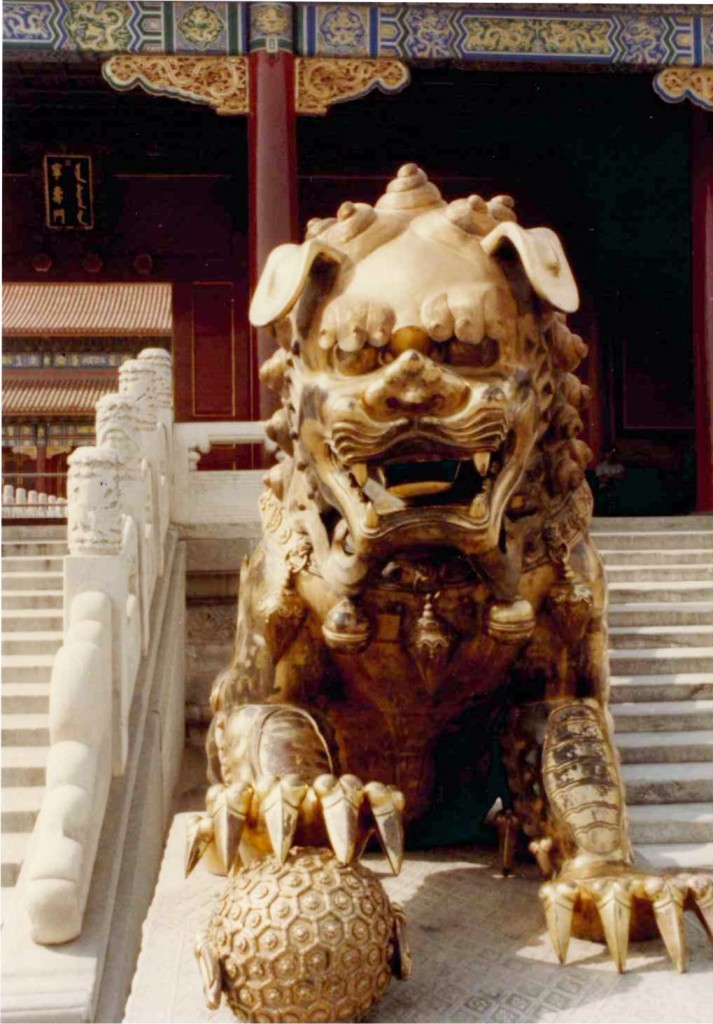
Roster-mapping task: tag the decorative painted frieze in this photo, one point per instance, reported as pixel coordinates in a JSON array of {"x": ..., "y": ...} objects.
[
  {"x": 271, "y": 27},
  {"x": 129, "y": 26},
  {"x": 598, "y": 34},
  {"x": 463, "y": 32}
]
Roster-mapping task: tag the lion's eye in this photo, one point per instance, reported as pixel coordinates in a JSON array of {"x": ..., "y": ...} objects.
[{"x": 353, "y": 363}]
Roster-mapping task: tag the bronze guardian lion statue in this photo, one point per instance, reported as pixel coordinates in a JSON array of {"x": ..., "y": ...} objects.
[{"x": 426, "y": 564}]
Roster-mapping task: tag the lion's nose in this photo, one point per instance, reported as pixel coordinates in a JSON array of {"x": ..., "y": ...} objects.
[{"x": 414, "y": 385}]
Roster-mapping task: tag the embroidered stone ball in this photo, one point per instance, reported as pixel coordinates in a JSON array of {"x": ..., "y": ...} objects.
[{"x": 310, "y": 940}]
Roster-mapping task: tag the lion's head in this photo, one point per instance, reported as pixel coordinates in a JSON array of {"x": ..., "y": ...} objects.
[{"x": 424, "y": 370}]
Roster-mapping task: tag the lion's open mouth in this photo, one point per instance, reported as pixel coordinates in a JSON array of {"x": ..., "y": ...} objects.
[{"x": 428, "y": 481}]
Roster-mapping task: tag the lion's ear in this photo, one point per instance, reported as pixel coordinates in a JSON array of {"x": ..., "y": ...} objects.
[
  {"x": 543, "y": 261},
  {"x": 284, "y": 277}
]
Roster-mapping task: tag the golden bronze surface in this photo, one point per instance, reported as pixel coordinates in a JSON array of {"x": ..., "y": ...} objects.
[{"x": 426, "y": 567}]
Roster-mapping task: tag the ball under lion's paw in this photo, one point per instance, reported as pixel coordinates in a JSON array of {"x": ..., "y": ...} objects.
[{"x": 310, "y": 940}]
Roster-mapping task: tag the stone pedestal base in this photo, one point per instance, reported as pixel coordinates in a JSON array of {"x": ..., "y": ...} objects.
[{"x": 480, "y": 952}]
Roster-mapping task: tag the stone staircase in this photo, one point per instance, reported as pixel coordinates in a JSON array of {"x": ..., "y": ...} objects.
[
  {"x": 31, "y": 636},
  {"x": 660, "y": 583}
]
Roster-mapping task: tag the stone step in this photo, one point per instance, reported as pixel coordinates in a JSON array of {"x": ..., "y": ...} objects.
[
  {"x": 20, "y": 807},
  {"x": 31, "y": 563},
  {"x": 41, "y": 546},
  {"x": 661, "y": 540},
  {"x": 36, "y": 531},
  {"x": 31, "y": 598},
  {"x": 668, "y": 783},
  {"x": 622, "y": 637},
  {"x": 32, "y": 642},
  {"x": 658, "y": 573},
  {"x": 14, "y": 847},
  {"x": 661, "y": 613},
  {"x": 655, "y": 556},
  {"x": 658, "y": 747},
  {"x": 14, "y": 581},
  {"x": 642, "y": 661},
  {"x": 663, "y": 716},
  {"x": 35, "y": 620},
  {"x": 681, "y": 686},
  {"x": 671, "y": 823},
  {"x": 27, "y": 668},
  {"x": 629, "y": 592},
  {"x": 24, "y": 766},
  {"x": 604, "y": 524},
  {"x": 26, "y": 730},
  {"x": 684, "y": 856},
  {"x": 25, "y": 698}
]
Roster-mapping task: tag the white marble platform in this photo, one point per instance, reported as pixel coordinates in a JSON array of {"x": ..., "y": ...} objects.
[{"x": 479, "y": 947}]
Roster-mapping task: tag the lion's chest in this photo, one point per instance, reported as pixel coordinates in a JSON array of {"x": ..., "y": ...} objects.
[{"x": 428, "y": 654}]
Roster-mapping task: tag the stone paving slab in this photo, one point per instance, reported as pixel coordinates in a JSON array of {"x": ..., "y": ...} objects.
[{"x": 479, "y": 946}]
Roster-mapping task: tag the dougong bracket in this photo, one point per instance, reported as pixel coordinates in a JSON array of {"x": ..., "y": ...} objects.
[
  {"x": 677, "y": 84},
  {"x": 220, "y": 82},
  {"x": 322, "y": 81}
]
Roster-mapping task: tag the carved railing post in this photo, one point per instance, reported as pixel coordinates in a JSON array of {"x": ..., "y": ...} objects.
[
  {"x": 137, "y": 379},
  {"x": 162, "y": 364},
  {"x": 142, "y": 380},
  {"x": 95, "y": 507},
  {"x": 117, "y": 425},
  {"x": 160, "y": 360}
]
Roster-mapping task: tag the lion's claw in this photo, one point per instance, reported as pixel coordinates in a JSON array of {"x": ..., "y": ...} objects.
[
  {"x": 229, "y": 811},
  {"x": 387, "y": 805},
  {"x": 558, "y": 899},
  {"x": 614, "y": 902},
  {"x": 281, "y": 810},
  {"x": 199, "y": 833},
  {"x": 667, "y": 898},
  {"x": 701, "y": 888},
  {"x": 341, "y": 802},
  {"x": 276, "y": 812},
  {"x": 619, "y": 899}
]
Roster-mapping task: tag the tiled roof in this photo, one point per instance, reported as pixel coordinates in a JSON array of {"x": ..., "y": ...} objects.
[
  {"x": 87, "y": 309},
  {"x": 68, "y": 394}
]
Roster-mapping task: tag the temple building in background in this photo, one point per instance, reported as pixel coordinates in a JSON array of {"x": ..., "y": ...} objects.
[
  {"x": 62, "y": 346},
  {"x": 168, "y": 179}
]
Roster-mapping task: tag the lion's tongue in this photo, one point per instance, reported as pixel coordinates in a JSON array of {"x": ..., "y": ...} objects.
[{"x": 420, "y": 488}]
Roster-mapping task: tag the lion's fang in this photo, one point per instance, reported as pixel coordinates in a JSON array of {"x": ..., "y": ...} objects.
[
  {"x": 371, "y": 517},
  {"x": 361, "y": 473},
  {"x": 481, "y": 461}
]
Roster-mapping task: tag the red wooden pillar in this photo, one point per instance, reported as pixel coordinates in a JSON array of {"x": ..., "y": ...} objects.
[
  {"x": 273, "y": 167},
  {"x": 41, "y": 468},
  {"x": 702, "y": 263}
]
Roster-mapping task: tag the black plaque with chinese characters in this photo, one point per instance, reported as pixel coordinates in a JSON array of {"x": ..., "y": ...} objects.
[{"x": 69, "y": 201}]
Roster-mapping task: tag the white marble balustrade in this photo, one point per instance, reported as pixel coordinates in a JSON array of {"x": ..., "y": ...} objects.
[
  {"x": 19, "y": 503},
  {"x": 118, "y": 515}
]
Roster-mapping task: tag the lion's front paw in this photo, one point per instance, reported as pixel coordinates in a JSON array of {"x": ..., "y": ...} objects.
[
  {"x": 278, "y": 813},
  {"x": 626, "y": 903}
]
